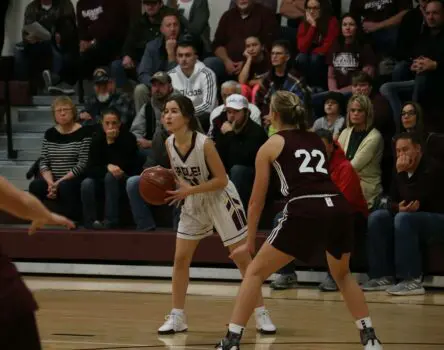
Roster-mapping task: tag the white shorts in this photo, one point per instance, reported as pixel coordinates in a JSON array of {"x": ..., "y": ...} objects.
[{"x": 222, "y": 211}]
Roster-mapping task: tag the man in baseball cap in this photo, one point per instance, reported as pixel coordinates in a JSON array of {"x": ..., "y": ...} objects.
[{"x": 236, "y": 102}]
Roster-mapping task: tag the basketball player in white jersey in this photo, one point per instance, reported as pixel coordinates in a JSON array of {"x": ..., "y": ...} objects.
[{"x": 209, "y": 200}]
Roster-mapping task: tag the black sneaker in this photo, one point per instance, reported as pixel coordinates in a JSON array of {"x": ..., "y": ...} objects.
[
  {"x": 230, "y": 342},
  {"x": 369, "y": 339}
]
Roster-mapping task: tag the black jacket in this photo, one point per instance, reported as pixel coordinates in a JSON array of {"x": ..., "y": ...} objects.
[
  {"x": 123, "y": 153},
  {"x": 241, "y": 148},
  {"x": 410, "y": 30}
]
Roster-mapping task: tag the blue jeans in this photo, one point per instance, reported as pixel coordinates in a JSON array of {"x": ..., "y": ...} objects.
[
  {"x": 402, "y": 71},
  {"x": 25, "y": 54},
  {"x": 394, "y": 242},
  {"x": 111, "y": 188},
  {"x": 120, "y": 73},
  {"x": 243, "y": 178},
  {"x": 314, "y": 68}
]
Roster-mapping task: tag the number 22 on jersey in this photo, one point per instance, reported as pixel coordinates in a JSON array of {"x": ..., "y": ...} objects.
[{"x": 316, "y": 157}]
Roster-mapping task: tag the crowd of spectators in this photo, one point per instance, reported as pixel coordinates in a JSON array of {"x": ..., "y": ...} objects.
[{"x": 370, "y": 77}]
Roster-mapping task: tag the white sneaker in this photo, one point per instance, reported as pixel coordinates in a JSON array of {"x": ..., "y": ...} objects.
[
  {"x": 174, "y": 323},
  {"x": 263, "y": 322}
]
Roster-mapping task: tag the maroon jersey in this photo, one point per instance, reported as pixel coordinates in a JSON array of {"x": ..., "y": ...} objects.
[
  {"x": 302, "y": 166},
  {"x": 15, "y": 298}
]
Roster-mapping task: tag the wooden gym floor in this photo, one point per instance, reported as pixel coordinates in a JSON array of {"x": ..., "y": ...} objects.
[{"x": 107, "y": 314}]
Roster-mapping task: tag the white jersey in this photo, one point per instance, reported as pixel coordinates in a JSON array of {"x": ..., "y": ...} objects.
[{"x": 202, "y": 212}]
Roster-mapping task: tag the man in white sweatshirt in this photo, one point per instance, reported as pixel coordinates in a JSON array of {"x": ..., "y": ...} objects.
[{"x": 194, "y": 80}]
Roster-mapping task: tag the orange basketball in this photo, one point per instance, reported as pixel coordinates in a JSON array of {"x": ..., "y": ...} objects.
[{"x": 154, "y": 182}]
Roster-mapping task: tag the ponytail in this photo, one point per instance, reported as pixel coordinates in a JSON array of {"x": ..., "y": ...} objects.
[{"x": 290, "y": 109}]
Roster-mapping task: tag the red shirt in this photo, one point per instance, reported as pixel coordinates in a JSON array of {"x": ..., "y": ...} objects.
[
  {"x": 347, "y": 180},
  {"x": 310, "y": 41}
]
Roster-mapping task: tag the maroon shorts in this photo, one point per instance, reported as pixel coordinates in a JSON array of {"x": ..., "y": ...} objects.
[
  {"x": 20, "y": 334},
  {"x": 313, "y": 224}
]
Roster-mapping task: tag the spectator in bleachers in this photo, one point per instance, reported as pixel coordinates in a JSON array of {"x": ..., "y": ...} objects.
[
  {"x": 414, "y": 215},
  {"x": 255, "y": 65},
  {"x": 347, "y": 180},
  {"x": 147, "y": 125},
  {"x": 63, "y": 160},
  {"x": 218, "y": 115},
  {"x": 380, "y": 20},
  {"x": 143, "y": 30},
  {"x": 316, "y": 35},
  {"x": 279, "y": 78},
  {"x": 103, "y": 25},
  {"x": 35, "y": 50},
  {"x": 294, "y": 11},
  {"x": 348, "y": 55},
  {"x": 113, "y": 157},
  {"x": 426, "y": 66},
  {"x": 159, "y": 56},
  {"x": 363, "y": 146},
  {"x": 238, "y": 140},
  {"x": 412, "y": 26},
  {"x": 272, "y": 4},
  {"x": 246, "y": 19},
  {"x": 333, "y": 121},
  {"x": 196, "y": 14},
  {"x": 106, "y": 97},
  {"x": 412, "y": 119},
  {"x": 194, "y": 80}
]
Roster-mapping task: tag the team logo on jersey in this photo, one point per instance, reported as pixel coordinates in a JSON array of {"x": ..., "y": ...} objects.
[{"x": 189, "y": 174}]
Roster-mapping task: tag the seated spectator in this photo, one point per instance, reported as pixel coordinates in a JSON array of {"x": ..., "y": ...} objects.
[
  {"x": 63, "y": 160},
  {"x": 347, "y": 180},
  {"x": 333, "y": 121},
  {"x": 147, "y": 126},
  {"x": 414, "y": 215},
  {"x": 237, "y": 24},
  {"x": 229, "y": 88},
  {"x": 50, "y": 15},
  {"x": 412, "y": 26},
  {"x": 195, "y": 81},
  {"x": 316, "y": 35},
  {"x": 145, "y": 28},
  {"x": 363, "y": 146},
  {"x": 380, "y": 20},
  {"x": 113, "y": 157},
  {"x": 272, "y": 4},
  {"x": 256, "y": 64},
  {"x": 103, "y": 25},
  {"x": 349, "y": 55},
  {"x": 412, "y": 119},
  {"x": 428, "y": 56},
  {"x": 106, "y": 97},
  {"x": 279, "y": 78},
  {"x": 237, "y": 140},
  {"x": 196, "y": 14},
  {"x": 159, "y": 56}
]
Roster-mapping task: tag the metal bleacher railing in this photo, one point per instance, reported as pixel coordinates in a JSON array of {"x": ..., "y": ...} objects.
[{"x": 6, "y": 69}]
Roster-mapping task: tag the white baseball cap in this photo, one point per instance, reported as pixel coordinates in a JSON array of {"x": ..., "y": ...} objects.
[{"x": 236, "y": 102}]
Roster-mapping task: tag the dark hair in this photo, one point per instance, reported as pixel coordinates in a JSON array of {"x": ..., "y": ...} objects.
[
  {"x": 290, "y": 108},
  {"x": 112, "y": 111},
  {"x": 359, "y": 36},
  {"x": 325, "y": 134},
  {"x": 412, "y": 136},
  {"x": 324, "y": 18},
  {"x": 362, "y": 77},
  {"x": 170, "y": 13},
  {"x": 282, "y": 43},
  {"x": 187, "y": 109},
  {"x": 419, "y": 127},
  {"x": 188, "y": 41}
]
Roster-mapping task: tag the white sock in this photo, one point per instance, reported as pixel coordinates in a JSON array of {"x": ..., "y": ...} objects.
[
  {"x": 234, "y": 328},
  {"x": 177, "y": 311},
  {"x": 365, "y": 322},
  {"x": 259, "y": 309}
]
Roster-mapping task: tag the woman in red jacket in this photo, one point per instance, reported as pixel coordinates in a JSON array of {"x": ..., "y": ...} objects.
[{"x": 316, "y": 34}]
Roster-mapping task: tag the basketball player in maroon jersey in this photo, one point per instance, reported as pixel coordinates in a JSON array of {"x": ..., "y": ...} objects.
[
  {"x": 18, "y": 328},
  {"x": 316, "y": 216}
]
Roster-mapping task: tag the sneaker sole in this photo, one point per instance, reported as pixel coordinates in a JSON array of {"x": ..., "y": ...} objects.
[
  {"x": 412, "y": 292},
  {"x": 171, "y": 331},
  {"x": 262, "y": 331},
  {"x": 47, "y": 79},
  {"x": 283, "y": 287}
]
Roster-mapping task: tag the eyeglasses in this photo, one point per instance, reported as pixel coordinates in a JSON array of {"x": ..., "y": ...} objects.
[
  {"x": 408, "y": 113},
  {"x": 63, "y": 109}
]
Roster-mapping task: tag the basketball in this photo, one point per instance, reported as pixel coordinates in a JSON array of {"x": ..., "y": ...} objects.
[{"x": 154, "y": 182}]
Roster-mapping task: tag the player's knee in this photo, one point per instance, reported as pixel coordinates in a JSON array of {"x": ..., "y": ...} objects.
[{"x": 182, "y": 261}]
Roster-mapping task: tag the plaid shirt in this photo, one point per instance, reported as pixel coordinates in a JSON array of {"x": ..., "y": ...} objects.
[{"x": 121, "y": 102}]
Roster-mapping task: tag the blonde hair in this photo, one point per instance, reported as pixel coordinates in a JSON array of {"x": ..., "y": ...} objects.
[
  {"x": 366, "y": 105},
  {"x": 64, "y": 101},
  {"x": 290, "y": 108}
]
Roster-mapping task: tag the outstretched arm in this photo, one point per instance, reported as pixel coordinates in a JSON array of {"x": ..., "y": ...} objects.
[{"x": 25, "y": 206}]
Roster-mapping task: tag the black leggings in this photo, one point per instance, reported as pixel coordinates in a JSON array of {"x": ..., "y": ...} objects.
[
  {"x": 20, "y": 334},
  {"x": 3, "y": 9}
]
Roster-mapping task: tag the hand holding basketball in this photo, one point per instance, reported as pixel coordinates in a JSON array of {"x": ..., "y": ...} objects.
[{"x": 181, "y": 193}]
